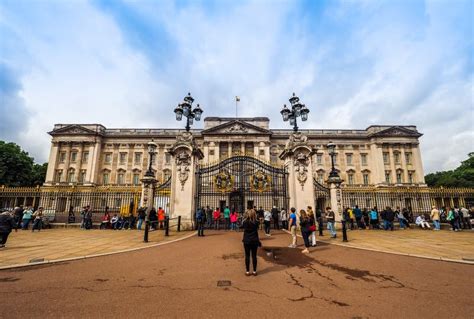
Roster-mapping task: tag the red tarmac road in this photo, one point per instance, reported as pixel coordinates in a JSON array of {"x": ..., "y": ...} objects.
[{"x": 179, "y": 280}]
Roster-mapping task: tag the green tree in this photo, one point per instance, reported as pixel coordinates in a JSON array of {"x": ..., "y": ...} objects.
[
  {"x": 463, "y": 176},
  {"x": 17, "y": 168}
]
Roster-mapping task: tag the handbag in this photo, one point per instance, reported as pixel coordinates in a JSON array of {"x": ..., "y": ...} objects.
[{"x": 312, "y": 228}]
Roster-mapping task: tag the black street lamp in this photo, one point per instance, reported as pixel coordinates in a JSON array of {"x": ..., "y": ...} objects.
[
  {"x": 332, "y": 152},
  {"x": 297, "y": 109},
  {"x": 149, "y": 181},
  {"x": 185, "y": 109}
]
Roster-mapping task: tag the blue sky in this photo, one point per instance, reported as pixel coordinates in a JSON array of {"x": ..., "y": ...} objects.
[{"x": 128, "y": 63}]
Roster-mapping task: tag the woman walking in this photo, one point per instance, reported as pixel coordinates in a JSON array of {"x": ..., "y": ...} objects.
[
  {"x": 312, "y": 226},
  {"x": 250, "y": 240},
  {"x": 27, "y": 215},
  {"x": 305, "y": 229}
]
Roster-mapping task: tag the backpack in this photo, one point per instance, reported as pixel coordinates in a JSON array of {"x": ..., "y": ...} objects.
[{"x": 199, "y": 215}]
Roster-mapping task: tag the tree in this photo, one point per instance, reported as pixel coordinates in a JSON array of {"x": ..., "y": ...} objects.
[
  {"x": 17, "y": 168},
  {"x": 463, "y": 176}
]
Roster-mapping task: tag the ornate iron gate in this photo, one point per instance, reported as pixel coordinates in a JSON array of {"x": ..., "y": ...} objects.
[
  {"x": 321, "y": 196},
  {"x": 241, "y": 182}
]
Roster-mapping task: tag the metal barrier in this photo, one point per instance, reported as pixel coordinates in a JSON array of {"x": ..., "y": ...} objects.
[{"x": 167, "y": 224}]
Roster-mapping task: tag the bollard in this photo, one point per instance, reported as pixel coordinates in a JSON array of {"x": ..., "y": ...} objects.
[
  {"x": 167, "y": 226},
  {"x": 179, "y": 223}
]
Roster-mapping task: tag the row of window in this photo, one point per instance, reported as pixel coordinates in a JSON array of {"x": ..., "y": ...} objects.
[
  {"x": 137, "y": 159},
  {"x": 73, "y": 157},
  {"x": 366, "y": 177},
  {"x": 399, "y": 177},
  {"x": 397, "y": 158},
  {"x": 71, "y": 177},
  {"x": 350, "y": 178}
]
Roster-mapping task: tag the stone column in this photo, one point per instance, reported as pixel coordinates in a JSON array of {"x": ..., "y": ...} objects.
[
  {"x": 66, "y": 163},
  {"x": 297, "y": 157},
  {"x": 93, "y": 164},
  {"x": 186, "y": 155},
  {"x": 418, "y": 164},
  {"x": 336, "y": 196},
  {"x": 52, "y": 163}
]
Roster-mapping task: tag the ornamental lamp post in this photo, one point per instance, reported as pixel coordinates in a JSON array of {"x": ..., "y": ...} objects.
[
  {"x": 336, "y": 179},
  {"x": 185, "y": 109},
  {"x": 297, "y": 109},
  {"x": 149, "y": 181}
]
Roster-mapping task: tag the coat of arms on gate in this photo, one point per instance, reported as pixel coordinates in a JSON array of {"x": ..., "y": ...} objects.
[
  {"x": 260, "y": 182},
  {"x": 224, "y": 182}
]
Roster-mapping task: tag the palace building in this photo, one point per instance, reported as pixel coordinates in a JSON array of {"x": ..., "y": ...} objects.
[{"x": 91, "y": 154}]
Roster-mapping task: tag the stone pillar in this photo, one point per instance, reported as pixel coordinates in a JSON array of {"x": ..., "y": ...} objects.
[
  {"x": 52, "y": 163},
  {"x": 297, "y": 157},
  {"x": 186, "y": 155},
  {"x": 336, "y": 196},
  {"x": 148, "y": 186}
]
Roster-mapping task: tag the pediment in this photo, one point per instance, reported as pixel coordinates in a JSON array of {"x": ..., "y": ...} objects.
[
  {"x": 73, "y": 129},
  {"x": 396, "y": 131},
  {"x": 236, "y": 127}
]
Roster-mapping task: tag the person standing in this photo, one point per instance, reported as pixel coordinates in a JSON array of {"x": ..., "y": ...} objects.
[
  {"x": 38, "y": 219},
  {"x": 365, "y": 217},
  {"x": 18, "y": 217},
  {"x": 434, "y": 215},
  {"x": 27, "y": 215},
  {"x": 153, "y": 219},
  {"x": 358, "y": 217},
  {"x": 216, "y": 216},
  {"x": 227, "y": 217},
  {"x": 200, "y": 219},
  {"x": 466, "y": 217},
  {"x": 451, "y": 219},
  {"x": 88, "y": 218},
  {"x": 234, "y": 216},
  {"x": 319, "y": 217},
  {"x": 141, "y": 217},
  {"x": 351, "y": 217},
  {"x": 389, "y": 217},
  {"x": 161, "y": 218},
  {"x": 260, "y": 216},
  {"x": 284, "y": 218},
  {"x": 312, "y": 226},
  {"x": 401, "y": 218},
  {"x": 209, "y": 216},
  {"x": 250, "y": 240},
  {"x": 292, "y": 227},
  {"x": 267, "y": 217},
  {"x": 374, "y": 219},
  {"x": 305, "y": 231},
  {"x": 330, "y": 219},
  {"x": 276, "y": 224},
  {"x": 6, "y": 225}
]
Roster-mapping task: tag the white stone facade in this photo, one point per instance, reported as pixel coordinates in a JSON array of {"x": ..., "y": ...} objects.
[{"x": 91, "y": 154}]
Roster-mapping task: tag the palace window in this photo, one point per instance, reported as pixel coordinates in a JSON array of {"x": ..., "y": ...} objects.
[
  {"x": 82, "y": 176},
  {"x": 350, "y": 178},
  {"x": 211, "y": 152},
  {"x": 397, "y": 157},
  {"x": 123, "y": 158},
  {"x": 70, "y": 175},
  {"x": 386, "y": 158},
  {"x": 85, "y": 157},
  {"x": 366, "y": 178},
  {"x": 363, "y": 159},
  {"x": 223, "y": 150},
  {"x": 136, "y": 179},
  {"x": 121, "y": 178},
  {"x": 166, "y": 175},
  {"x": 167, "y": 159},
  {"x": 410, "y": 177},
  {"x": 58, "y": 175},
  {"x": 73, "y": 157},
  {"x": 319, "y": 159},
  {"x": 105, "y": 178},
  {"x": 349, "y": 159},
  {"x": 261, "y": 152},
  {"x": 108, "y": 158},
  {"x": 249, "y": 148},
  {"x": 399, "y": 177},
  {"x": 387, "y": 177},
  {"x": 62, "y": 157},
  {"x": 138, "y": 158},
  {"x": 320, "y": 177},
  {"x": 408, "y": 158}
]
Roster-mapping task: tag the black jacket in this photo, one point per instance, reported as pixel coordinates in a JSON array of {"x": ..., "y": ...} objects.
[
  {"x": 250, "y": 232},
  {"x": 389, "y": 215},
  {"x": 6, "y": 223},
  {"x": 304, "y": 224},
  {"x": 275, "y": 213}
]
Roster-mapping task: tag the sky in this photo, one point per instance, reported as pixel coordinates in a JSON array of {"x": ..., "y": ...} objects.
[{"x": 129, "y": 63}]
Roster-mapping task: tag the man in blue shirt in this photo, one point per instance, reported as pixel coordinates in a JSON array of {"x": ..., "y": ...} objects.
[{"x": 292, "y": 227}]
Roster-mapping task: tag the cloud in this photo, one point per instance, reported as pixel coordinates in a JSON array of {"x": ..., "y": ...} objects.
[{"x": 127, "y": 64}]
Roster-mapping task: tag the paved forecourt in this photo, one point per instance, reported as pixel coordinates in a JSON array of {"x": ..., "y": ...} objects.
[
  {"x": 443, "y": 245},
  {"x": 204, "y": 278},
  {"x": 24, "y": 247}
]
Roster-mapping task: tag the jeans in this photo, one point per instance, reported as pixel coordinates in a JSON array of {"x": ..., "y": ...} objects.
[
  {"x": 305, "y": 238},
  {"x": 4, "y": 237},
  {"x": 331, "y": 229},
  {"x": 26, "y": 223},
  {"x": 320, "y": 226},
  {"x": 387, "y": 225},
  {"x": 251, "y": 248},
  {"x": 267, "y": 227},
  {"x": 216, "y": 224},
  {"x": 140, "y": 222},
  {"x": 436, "y": 224},
  {"x": 37, "y": 224},
  {"x": 276, "y": 225},
  {"x": 233, "y": 226},
  {"x": 200, "y": 225}
]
